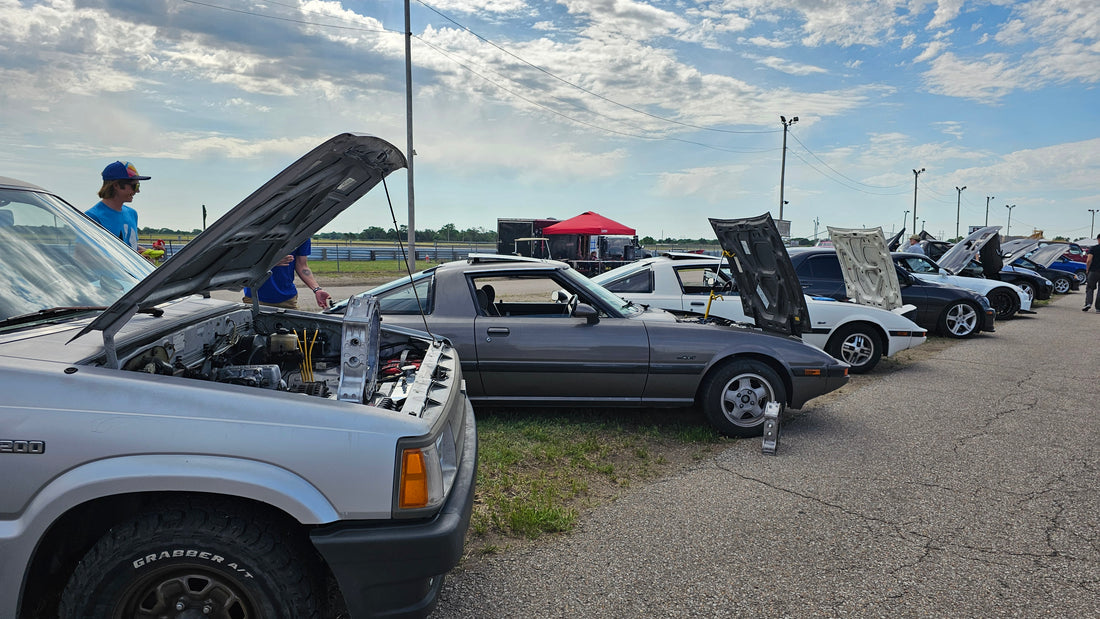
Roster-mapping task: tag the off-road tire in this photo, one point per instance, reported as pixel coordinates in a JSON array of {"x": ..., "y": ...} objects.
[
  {"x": 187, "y": 555},
  {"x": 858, "y": 345},
  {"x": 734, "y": 396}
]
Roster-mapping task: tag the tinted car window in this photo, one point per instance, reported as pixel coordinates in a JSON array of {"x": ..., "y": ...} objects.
[
  {"x": 824, "y": 267},
  {"x": 640, "y": 280},
  {"x": 918, "y": 264}
]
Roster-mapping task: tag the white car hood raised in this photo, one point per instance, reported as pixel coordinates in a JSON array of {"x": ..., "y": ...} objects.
[
  {"x": 869, "y": 274},
  {"x": 1043, "y": 256},
  {"x": 241, "y": 247},
  {"x": 964, "y": 251}
]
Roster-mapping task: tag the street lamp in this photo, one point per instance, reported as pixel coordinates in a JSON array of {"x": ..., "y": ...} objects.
[
  {"x": 958, "y": 207},
  {"x": 903, "y": 217},
  {"x": 1093, "y": 224},
  {"x": 987, "y": 199},
  {"x": 916, "y": 173},
  {"x": 783, "y": 165},
  {"x": 1008, "y": 228}
]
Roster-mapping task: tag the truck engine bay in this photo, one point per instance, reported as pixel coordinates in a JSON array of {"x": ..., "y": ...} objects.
[{"x": 351, "y": 360}]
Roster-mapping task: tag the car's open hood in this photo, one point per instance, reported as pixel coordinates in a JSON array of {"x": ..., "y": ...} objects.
[
  {"x": 240, "y": 247},
  {"x": 769, "y": 289},
  {"x": 1043, "y": 256},
  {"x": 984, "y": 240},
  {"x": 894, "y": 242},
  {"x": 869, "y": 274}
]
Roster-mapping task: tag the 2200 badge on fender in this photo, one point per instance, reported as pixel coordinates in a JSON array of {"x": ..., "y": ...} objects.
[{"x": 22, "y": 447}]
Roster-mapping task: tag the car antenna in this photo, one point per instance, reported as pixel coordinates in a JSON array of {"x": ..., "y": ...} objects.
[{"x": 405, "y": 259}]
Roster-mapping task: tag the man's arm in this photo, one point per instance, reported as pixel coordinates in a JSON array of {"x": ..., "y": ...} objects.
[{"x": 301, "y": 267}]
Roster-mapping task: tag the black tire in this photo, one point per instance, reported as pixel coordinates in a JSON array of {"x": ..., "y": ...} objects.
[
  {"x": 187, "y": 556},
  {"x": 734, "y": 396},
  {"x": 858, "y": 345},
  {"x": 1062, "y": 285},
  {"x": 1005, "y": 302},
  {"x": 960, "y": 319}
]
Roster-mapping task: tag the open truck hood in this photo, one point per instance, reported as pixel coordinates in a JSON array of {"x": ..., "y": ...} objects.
[
  {"x": 241, "y": 247},
  {"x": 869, "y": 274},
  {"x": 769, "y": 289},
  {"x": 985, "y": 241}
]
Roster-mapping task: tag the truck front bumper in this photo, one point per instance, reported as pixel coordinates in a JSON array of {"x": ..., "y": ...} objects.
[{"x": 396, "y": 570}]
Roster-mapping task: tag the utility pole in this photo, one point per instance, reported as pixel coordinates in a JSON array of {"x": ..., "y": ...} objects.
[
  {"x": 958, "y": 207},
  {"x": 410, "y": 153},
  {"x": 987, "y": 199},
  {"x": 817, "y": 220},
  {"x": 1092, "y": 226},
  {"x": 783, "y": 165},
  {"x": 1008, "y": 228},
  {"x": 916, "y": 173}
]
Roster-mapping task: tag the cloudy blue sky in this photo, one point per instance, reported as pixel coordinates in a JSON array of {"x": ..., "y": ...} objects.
[{"x": 657, "y": 114}]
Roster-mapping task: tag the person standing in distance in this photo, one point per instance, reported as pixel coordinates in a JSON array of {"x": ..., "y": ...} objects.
[
  {"x": 914, "y": 245},
  {"x": 120, "y": 185},
  {"x": 1092, "y": 275},
  {"x": 279, "y": 289}
]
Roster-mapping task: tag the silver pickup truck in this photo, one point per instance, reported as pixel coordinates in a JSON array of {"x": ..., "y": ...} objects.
[{"x": 166, "y": 454}]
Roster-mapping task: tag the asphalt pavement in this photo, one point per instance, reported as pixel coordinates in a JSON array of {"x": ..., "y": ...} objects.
[{"x": 961, "y": 485}]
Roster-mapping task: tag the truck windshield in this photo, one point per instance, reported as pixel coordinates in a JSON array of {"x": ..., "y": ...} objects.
[{"x": 57, "y": 257}]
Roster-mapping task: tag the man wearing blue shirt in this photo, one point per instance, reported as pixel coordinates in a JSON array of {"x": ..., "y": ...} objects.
[
  {"x": 120, "y": 185},
  {"x": 279, "y": 289}
]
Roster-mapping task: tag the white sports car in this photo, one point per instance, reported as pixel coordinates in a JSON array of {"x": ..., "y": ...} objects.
[
  {"x": 857, "y": 334},
  {"x": 1006, "y": 298}
]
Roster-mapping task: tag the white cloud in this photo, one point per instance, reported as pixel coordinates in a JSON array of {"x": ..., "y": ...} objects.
[{"x": 786, "y": 66}]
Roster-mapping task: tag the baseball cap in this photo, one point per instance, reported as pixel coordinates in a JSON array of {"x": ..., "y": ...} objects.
[{"x": 122, "y": 171}]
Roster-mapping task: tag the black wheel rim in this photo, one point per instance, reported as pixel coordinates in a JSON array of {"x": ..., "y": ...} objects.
[{"x": 185, "y": 592}]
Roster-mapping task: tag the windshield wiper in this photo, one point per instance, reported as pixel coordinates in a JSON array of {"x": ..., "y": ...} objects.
[{"x": 52, "y": 312}]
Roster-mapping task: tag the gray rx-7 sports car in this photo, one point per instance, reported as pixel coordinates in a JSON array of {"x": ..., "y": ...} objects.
[{"x": 536, "y": 332}]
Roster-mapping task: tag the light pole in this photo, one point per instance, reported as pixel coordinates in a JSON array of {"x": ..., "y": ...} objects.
[
  {"x": 1008, "y": 228},
  {"x": 916, "y": 173},
  {"x": 958, "y": 207},
  {"x": 783, "y": 165},
  {"x": 987, "y": 199},
  {"x": 903, "y": 218},
  {"x": 1093, "y": 224}
]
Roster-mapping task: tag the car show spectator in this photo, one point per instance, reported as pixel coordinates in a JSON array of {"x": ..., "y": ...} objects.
[
  {"x": 914, "y": 245},
  {"x": 279, "y": 289},
  {"x": 120, "y": 185},
  {"x": 1092, "y": 274}
]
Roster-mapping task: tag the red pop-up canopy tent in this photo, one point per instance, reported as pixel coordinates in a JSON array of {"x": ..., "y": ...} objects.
[{"x": 588, "y": 223}]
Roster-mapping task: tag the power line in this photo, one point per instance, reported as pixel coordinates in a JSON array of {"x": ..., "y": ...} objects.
[
  {"x": 582, "y": 88},
  {"x": 834, "y": 170}
]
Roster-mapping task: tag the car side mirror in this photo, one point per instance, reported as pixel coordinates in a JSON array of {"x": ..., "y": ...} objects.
[{"x": 586, "y": 311}]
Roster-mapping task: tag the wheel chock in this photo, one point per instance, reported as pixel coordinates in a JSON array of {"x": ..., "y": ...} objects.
[{"x": 771, "y": 428}]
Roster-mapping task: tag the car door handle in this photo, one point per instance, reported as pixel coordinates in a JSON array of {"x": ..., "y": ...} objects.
[
  {"x": 698, "y": 303},
  {"x": 498, "y": 331}
]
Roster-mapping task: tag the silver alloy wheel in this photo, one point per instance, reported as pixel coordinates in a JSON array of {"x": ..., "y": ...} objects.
[
  {"x": 1061, "y": 285},
  {"x": 1029, "y": 289},
  {"x": 744, "y": 398},
  {"x": 962, "y": 319},
  {"x": 856, "y": 349}
]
